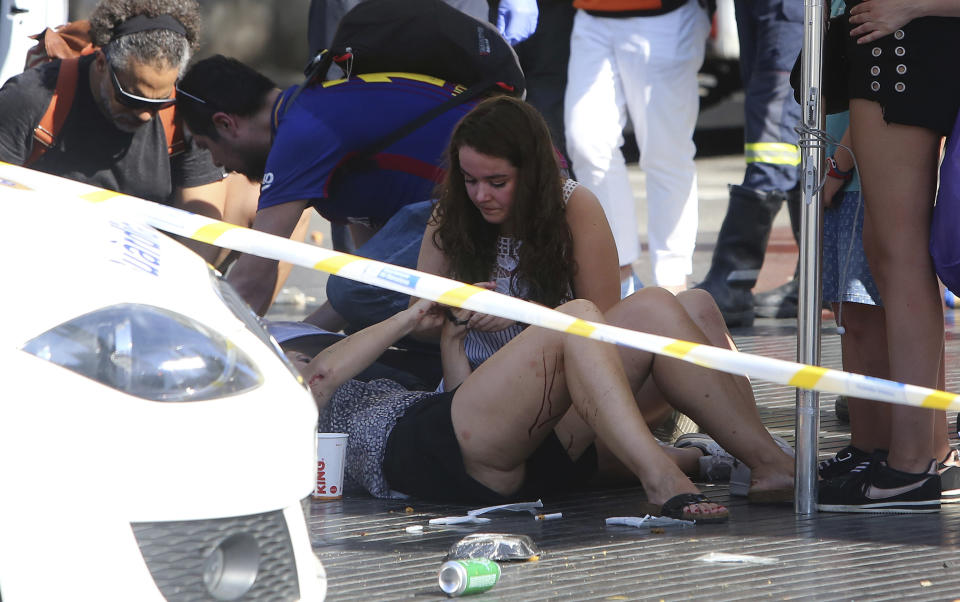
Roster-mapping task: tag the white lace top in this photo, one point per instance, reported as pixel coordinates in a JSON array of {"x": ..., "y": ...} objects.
[{"x": 481, "y": 345}]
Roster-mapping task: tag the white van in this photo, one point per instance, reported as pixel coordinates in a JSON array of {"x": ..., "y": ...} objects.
[
  {"x": 20, "y": 19},
  {"x": 155, "y": 443}
]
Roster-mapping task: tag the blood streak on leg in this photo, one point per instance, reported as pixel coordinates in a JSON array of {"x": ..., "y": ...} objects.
[{"x": 546, "y": 403}]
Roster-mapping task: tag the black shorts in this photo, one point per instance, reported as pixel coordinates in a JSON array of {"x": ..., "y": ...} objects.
[
  {"x": 912, "y": 73},
  {"x": 423, "y": 460}
]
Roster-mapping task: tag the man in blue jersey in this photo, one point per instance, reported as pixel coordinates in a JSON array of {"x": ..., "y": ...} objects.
[{"x": 299, "y": 150}]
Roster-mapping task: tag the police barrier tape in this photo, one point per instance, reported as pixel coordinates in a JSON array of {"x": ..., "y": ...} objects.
[{"x": 458, "y": 294}]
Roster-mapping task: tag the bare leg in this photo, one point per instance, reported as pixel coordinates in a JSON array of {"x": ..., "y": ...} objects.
[
  {"x": 864, "y": 351},
  {"x": 505, "y": 409},
  {"x": 863, "y": 348},
  {"x": 703, "y": 311},
  {"x": 898, "y": 166},
  {"x": 941, "y": 430},
  {"x": 723, "y": 404}
]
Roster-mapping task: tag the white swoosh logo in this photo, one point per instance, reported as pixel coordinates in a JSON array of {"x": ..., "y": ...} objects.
[{"x": 879, "y": 493}]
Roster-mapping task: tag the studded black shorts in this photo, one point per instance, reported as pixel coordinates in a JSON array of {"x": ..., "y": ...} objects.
[{"x": 914, "y": 73}]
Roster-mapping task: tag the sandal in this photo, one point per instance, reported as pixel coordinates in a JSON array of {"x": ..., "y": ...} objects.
[
  {"x": 676, "y": 506},
  {"x": 715, "y": 463}
]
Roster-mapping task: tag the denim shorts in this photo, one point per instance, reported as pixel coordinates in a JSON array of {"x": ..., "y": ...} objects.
[{"x": 397, "y": 243}]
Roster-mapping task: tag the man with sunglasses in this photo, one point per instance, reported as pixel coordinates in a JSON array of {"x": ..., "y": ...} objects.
[{"x": 113, "y": 136}]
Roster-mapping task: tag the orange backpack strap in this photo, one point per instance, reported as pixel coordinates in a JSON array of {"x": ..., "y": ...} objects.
[
  {"x": 51, "y": 123},
  {"x": 45, "y": 134},
  {"x": 173, "y": 128}
]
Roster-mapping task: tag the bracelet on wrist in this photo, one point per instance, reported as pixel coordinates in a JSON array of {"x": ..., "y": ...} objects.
[
  {"x": 836, "y": 172},
  {"x": 453, "y": 319}
]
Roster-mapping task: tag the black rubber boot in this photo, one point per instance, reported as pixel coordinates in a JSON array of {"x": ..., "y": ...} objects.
[
  {"x": 739, "y": 253},
  {"x": 781, "y": 302}
]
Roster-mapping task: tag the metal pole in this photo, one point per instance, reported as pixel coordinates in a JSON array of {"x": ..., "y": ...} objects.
[{"x": 808, "y": 314}]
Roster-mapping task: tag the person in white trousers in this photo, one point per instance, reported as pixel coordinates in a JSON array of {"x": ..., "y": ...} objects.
[{"x": 626, "y": 62}]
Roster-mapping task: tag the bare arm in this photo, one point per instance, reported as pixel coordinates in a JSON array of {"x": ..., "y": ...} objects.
[
  {"x": 432, "y": 261},
  {"x": 874, "y": 19},
  {"x": 208, "y": 200},
  {"x": 844, "y": 163},
  {"x": 342, "y": 361},
  {"x": 254, "y": 277},
  {"x": 598, "y": 269},
  {"x": 453, "y": 357}
]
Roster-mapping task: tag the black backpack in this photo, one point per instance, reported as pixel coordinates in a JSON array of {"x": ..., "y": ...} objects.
[
  {"x": 422, "y": 36},
  {"x": 428, "y": 37}
]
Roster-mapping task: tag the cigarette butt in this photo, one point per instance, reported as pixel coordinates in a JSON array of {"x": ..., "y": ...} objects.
[
  {"x": 317, "y": 237},
  {"x": 414, "y": 529},
  {"x": 552, "y": 516}
]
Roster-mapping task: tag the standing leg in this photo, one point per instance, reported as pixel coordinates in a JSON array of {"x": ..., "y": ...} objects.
[
  {"x": 771, "y": 33},
  {"x": 594, "y": 117},
  {"x": 658, "y": 60},
  {"x": 898, "y": 166},
  {"x": 864, "y": 351}
]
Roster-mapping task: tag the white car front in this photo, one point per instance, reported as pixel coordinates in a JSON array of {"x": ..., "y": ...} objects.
[{"x": 153, "y": 442}]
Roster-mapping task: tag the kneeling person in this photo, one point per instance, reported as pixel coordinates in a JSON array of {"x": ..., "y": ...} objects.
[{"x": 299, "y": 149}]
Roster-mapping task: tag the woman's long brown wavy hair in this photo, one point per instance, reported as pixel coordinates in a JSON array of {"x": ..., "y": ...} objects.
[{"x": 510, "y": 129}]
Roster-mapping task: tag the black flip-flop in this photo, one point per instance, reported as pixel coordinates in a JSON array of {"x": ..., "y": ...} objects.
[{"x": 673, "y": 508}]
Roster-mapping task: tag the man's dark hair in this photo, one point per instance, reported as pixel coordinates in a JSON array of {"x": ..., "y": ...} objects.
[{"x": 218, "y": 84}]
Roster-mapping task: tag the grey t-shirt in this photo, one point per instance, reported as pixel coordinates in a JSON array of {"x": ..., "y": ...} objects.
[{"x": 90, "y": 148}]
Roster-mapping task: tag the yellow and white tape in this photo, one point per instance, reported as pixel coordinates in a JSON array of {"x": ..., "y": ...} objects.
[{"x": 458, "y": 294}]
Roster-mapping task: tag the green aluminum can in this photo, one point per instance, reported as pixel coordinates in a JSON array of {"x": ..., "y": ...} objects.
[{"x": 465, "y": 577}]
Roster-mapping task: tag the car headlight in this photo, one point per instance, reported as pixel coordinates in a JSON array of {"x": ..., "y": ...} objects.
[
  {"x": 232, "y": 299},
  {"x": 150, "y": 353}
]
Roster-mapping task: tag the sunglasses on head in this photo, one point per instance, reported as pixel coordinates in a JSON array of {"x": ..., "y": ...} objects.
[{"x": 132, "y": 101}]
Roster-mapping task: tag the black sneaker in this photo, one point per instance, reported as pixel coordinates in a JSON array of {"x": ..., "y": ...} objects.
[
  {"x": 949, "y": 470},
  {"x": 842, "y": 463},
  {"x": 876, "y": 488}
]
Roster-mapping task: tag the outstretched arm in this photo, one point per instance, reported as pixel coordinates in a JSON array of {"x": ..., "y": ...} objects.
[
  {"x": 208, "y": 200},
  {"x": 256, "y": 277},
  {"x": 339, "y": 363}
]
